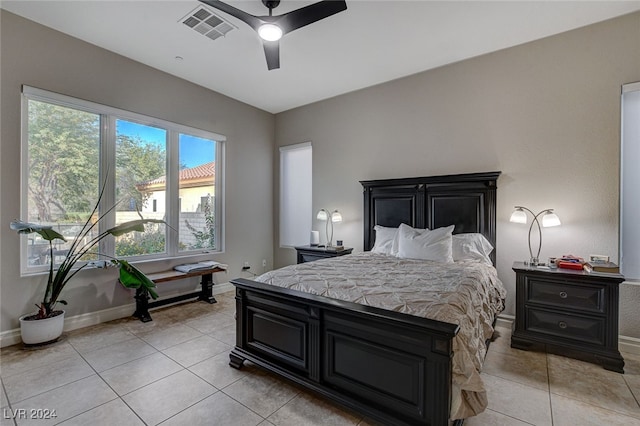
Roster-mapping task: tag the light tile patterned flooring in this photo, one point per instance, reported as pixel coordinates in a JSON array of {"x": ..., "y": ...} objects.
[{"x": 174, "y": 371}]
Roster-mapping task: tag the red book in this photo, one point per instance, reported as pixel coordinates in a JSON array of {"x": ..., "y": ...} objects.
[{"x": 569, "y": 265}]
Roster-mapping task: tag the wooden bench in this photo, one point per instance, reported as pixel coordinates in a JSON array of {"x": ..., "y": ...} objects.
[{"x": 206, "y": 292}]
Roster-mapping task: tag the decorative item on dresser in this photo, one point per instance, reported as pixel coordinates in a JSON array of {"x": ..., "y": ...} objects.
[
  {"x": 332, "y": 346},
  {"x": 311, "y": 253},
  {"x": 314, "y": 241},
  {"x": 519, "y": 215},
  {"x": 568, "y": 312}
]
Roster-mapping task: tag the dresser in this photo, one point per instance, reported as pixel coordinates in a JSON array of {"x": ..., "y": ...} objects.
[
  {"x": 311, "y": 253},
  {"x": 568, "y": 312}
]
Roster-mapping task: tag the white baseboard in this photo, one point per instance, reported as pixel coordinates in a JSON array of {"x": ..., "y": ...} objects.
[
  {"x": 12, "y": 337},
  {"x": 505, "y": 321},
  {"x": 629, "y": 344}
]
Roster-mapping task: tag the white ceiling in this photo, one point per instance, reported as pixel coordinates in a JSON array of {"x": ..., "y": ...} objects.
[{"x": 369, "y": 43}]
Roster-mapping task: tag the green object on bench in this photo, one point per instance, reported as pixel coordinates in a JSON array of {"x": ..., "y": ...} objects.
[{"x": 132, "y": 277}]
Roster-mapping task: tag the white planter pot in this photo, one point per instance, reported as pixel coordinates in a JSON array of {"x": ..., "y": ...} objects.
[{"x": 42, "y": 330}]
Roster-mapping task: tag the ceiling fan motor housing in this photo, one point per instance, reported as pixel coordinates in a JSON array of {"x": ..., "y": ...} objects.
[{"x": 271, "y": 4}]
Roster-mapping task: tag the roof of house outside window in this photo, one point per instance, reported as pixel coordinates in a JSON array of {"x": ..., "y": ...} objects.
[{"x": 203, "y": 175}]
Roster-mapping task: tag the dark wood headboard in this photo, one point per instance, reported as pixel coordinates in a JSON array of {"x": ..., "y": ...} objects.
[{"x": 467, "y": 201}]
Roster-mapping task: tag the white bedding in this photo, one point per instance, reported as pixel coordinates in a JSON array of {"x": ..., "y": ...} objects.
[{"x": 468, "y": 294}]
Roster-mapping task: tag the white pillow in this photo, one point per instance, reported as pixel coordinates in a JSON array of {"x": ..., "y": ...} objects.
[
  {"x": 386, "y": 240},
  {"x": 471, "y": 246},
  {"x": 425, "y": 244}
]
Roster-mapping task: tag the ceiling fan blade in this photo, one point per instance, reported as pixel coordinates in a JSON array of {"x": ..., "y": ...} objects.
[
  {"x": 309, "y": 14},
  {"x": 253, "y": 21},
  {"x": 272, "y": 53}
]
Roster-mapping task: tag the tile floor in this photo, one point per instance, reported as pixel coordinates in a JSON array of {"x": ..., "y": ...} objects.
[{"x": 174, "y": 371}]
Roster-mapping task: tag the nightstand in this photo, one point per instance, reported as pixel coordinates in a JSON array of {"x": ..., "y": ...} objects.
[
  {"x": 311, "y": 253},
  {"x": 568, "y": 312}
]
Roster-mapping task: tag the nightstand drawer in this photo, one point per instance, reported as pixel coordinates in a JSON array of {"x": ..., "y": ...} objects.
[
  {"x": 567, "y": 326},
  {"x": 311, "y": 257},
  {"x": 568, "y": 296}
]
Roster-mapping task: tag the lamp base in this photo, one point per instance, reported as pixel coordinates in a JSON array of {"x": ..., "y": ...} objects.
[{"x": 534, "y": 262}]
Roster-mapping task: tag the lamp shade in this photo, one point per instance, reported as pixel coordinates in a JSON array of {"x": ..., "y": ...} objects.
[
  {"x": 336, "y": 216},
  {"x": 518, "y": 216},
  {"x": 550, "y": 219},
  {"x": 322, "y": 215}
]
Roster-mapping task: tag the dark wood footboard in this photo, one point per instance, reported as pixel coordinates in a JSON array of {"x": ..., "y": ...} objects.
[{"x": 389, "y": 366}]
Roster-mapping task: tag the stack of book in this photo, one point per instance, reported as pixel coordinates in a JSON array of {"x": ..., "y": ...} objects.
[{"x": 606, "y": 267}]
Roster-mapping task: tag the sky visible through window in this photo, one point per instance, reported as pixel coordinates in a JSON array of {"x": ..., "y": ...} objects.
[{"x": 194, "y": 151}]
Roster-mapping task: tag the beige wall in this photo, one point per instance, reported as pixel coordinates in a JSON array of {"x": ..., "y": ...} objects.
[
  {"x": 546, "y": 114},
  {"x": 43, "y": 58}
]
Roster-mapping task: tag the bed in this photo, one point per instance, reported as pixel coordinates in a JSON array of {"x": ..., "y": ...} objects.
[{"x": 388, "y": 364}]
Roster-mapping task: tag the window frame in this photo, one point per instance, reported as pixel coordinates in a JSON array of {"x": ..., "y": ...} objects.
[{"x": 108, "y": 116}]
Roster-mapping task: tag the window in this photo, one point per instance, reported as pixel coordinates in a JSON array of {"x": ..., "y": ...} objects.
[
  {"x": 141, "y": 156},
  {"x": 630, "y": 182},
  {"x": 162, "y": 170},
  {"x": 198, "y": 203},
  {"x": 295, "y": 194}
]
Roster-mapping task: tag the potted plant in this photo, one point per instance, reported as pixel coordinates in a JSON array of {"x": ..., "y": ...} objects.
[{"x": 47, "y": 323}]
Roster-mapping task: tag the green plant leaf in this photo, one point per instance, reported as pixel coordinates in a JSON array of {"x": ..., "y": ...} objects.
[
  {"x": 133, "y": 225},
  {"x": 29, "y": 228},
  {"x": 132, "y": 277}
]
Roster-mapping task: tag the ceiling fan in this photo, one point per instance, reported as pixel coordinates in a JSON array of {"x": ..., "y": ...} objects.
[{"x": 272, "y": 28}]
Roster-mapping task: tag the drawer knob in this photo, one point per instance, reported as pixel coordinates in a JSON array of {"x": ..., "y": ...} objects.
[
  {"x": 562, "y": 325},
  {"x": 563, "y": 294}
]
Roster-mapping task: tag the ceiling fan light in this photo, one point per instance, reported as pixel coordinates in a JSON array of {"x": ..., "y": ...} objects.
[{"x": 270, "y": 32}]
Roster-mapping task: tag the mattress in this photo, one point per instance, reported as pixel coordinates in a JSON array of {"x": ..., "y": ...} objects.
[{"x": 468, "y": 294}]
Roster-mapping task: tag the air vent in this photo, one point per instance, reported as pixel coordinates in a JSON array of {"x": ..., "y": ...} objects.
[{"x": 207, "y": 23}]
